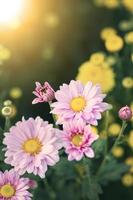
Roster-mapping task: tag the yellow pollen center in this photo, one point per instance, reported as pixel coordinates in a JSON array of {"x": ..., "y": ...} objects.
[
  {"x": 78, "y": 104},
  {"x": 77, "y": 140},
  {"x": 7, "y": 191},
  {"x": 32, "y": 146}
]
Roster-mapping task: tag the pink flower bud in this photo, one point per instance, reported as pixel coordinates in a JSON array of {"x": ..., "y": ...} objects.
[
  {"x": 125, "y": 113},
  {"x": 32, "y": 184},
  {"x": 43, "y": 93}
]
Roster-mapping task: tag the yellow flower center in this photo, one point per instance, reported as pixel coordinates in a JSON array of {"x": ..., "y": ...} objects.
[
  {"x": 7, "y": 191},
  {"x": 78, "y": 104},
  {"x": 77, "y": 140},
  {"x": 32, "y": 146}
]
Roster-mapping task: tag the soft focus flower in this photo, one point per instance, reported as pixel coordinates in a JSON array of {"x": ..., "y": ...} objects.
[
  {"x": 9, "y": 110},
  {"x": 114, "y": 43},
  {"x": 32, "y": 184},
  {"x": 94, "y": 129},
  {"x": 12, "y": 187},
  {"x": 127, "y": 82},
  {"x": 127, "y": 180},
  {"x": 129, "y": 161},
  {"x": 114, "y": 129},
  {"x": 125, "y": 113},
  {"x": 77, "y": 139},
  {"x": 107, "y": 32},
  {"x": 6, "y": 111},
  {"x": 44, "y": 93},
  {"x": 5, "y": 53},
  {"x": 102, "y": 74},
  {"x": 130, "y": 139},
  {"x": 32, "y": 145},
  {"x": 118, "y": 151},
  {"x": 76, "y": 101},
  {"x": 51, "y": 20},
  {"x": 129, "y": 38},
  {"x": 131, "y": 170},
  {"x": 128, "y": 4},
  {"x": 7, "y": 103},
  {"x": 15, "y": 93},
  {"x": 103, "y": 134},
  {"x": 97, "y": 58},
  {"x": 125, "y": 25},
  {"x": 111, "y": 4}
]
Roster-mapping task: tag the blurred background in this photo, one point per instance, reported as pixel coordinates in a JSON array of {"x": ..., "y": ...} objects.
[{"x": 48, "y": 40}]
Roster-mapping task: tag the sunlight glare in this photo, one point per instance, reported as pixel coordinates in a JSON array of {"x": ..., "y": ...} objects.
[{"x": 10, "y": 10}]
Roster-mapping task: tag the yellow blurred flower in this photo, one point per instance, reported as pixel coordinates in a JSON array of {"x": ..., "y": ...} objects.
[
  {"x": 101, "y": 74},
  {"x": 127, "y": 180},
  {"x": 16, "y": 93},
  {"x": 5, "y": 53},
  {"x": 128, "y": 4},
  {"x": 114, "y": 129},
  {"x": 107, "y": 32},
  {"x": 118, "y": 151},
  {"x": 130, "y": 139},
  {"x": 114, "y": 43},
  {"x": 111, "y": 3},
  {"x": 97, "y": 58},
  {"x": 131, "y": 169},
  {"x": 51, "y": 20},
  {"x": 103, "y": 134},
  {"x": 129, "y": 38},
  {"x": 94, "y": 129},
  {"x": 127, "y": 82},
  {"x": 129, "y": 161}
]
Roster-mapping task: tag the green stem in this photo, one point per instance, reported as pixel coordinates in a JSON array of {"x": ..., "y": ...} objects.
[
  {"x": 121, "y": 134},
  {"x": 124, "y": 125},
  {"x": 106, "y": 129},
  {"x": 7, "y": 124}
]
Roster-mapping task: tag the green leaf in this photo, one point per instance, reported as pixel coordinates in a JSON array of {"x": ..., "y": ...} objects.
[
  {"x": 2, "y": 153},
  {"x": 112, "y": 171},
  {"x": 98, "y": 147},
  {"x": 91, "y": 188}
]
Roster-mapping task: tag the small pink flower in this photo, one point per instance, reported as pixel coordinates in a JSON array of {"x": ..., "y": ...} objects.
[
  {"x": 32, "y": 184},
  {"x": 78, "y": 101},
  {"x": 77, "y": 139},
  {"x": 125, "y": 113},
  {"x": 12, "y": 187},
  {"x": 31, "y": 146},
  {"x": 43, "y": 93}
]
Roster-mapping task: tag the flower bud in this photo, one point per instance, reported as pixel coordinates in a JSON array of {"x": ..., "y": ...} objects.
[
  {"x": 125, "y": 113},
  {"x": 6, "y": 111},
  {"x": 32, "y": 184},
  {"x": 43, "y": 93},
  {"x": 7, "y": 103}
]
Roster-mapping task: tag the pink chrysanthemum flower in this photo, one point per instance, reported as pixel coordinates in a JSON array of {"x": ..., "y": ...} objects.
[
  {"x": 75, "y": 101},
  {"x": 31, "y": 146},
  {"x": 77, "y": 139},
  {"x": 12, "y": 187},
  {"x": 43, "y": 93}
]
